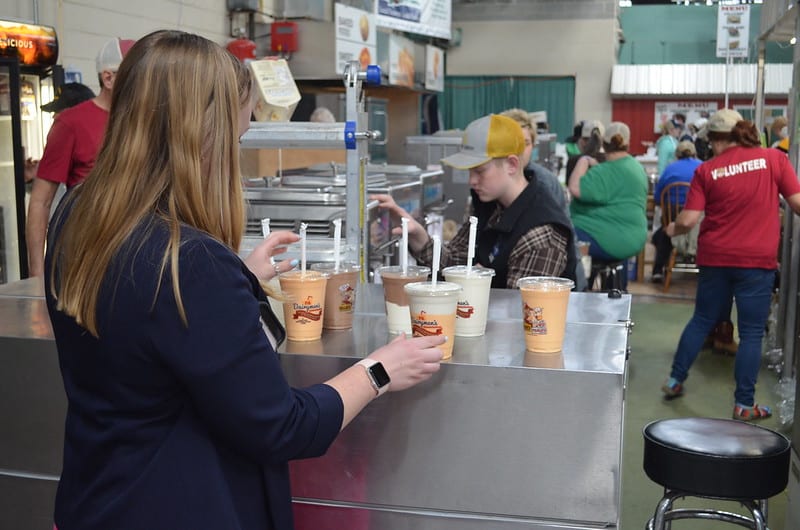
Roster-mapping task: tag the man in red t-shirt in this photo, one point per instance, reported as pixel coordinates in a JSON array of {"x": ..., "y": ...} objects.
[{"x": 72, "y": 144}]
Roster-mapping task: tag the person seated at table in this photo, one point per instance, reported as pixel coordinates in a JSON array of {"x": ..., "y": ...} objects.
[
  {"x": 610, "y": 200},
  {"x": 545, "y": 180},
  {"x": 521, "y": 230},
  {"x": 681, "y": 170}
]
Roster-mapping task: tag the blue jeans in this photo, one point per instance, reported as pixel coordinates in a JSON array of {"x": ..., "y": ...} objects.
[
  {"x": 598, "y": 252},
  {"x": 752, "y": 290}
]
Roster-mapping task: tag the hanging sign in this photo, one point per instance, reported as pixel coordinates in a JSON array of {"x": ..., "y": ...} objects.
[
  {"x": 33, "y": 45},
  {"x": 733, "y": 30}
]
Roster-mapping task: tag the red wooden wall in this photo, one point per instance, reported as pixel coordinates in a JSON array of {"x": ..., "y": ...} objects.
[{"x": 639, "y": 115}]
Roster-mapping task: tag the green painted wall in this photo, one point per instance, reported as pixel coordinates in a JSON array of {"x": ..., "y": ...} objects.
[{"x": 678, "y": 34}]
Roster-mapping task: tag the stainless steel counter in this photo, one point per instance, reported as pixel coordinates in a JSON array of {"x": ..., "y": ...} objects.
[{"x": 497, "y": 439}]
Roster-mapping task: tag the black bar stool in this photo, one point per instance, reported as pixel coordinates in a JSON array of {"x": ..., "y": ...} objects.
[
  {"x": 717, "y": 459},
  {"x": 608, "y": 272}
]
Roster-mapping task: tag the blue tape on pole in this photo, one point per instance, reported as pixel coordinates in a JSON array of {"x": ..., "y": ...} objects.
[{"x": 350, "y": 134}]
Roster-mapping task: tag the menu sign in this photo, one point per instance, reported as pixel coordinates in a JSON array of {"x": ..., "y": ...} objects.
[
  {"x": 33, "y": 45},
  {"x": 355, "y": 37},
  {"x": 693, "y": 110},
  {"x": 401, "y": 61},
  {"x": 733, "y": 30},
  {"x": 434, "y": 68},
  {"x": 424, "y": 17}
]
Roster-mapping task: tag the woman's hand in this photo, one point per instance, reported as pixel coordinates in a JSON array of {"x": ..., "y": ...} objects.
[
  {"x": 410, "y": 361},
  {"x": 417, "y": 235},
  {"x": 670, "y": 229},
  {"x": 261, "y": 260}
]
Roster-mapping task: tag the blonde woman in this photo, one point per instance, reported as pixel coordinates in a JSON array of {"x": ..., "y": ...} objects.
[{"x": 179, "y": 415}]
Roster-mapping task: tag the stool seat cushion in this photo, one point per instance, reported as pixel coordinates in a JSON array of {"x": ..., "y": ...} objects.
[{"x": 716, "y": 458}]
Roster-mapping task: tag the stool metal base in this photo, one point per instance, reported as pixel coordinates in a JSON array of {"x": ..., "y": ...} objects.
[
  {"x": 665, "y": 513},
  {"x": 608, "y": 274}
]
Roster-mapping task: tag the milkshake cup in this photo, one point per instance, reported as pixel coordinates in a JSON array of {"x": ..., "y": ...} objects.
[
  {"x": 544, "y": 311},
  {"x": 473, "y": 304},
  {"x": 302, "y": 312},
  {"x": 397, "y": 314},
  {"x": 433, "y": 311},
  {"x": 340, "y": 294}
]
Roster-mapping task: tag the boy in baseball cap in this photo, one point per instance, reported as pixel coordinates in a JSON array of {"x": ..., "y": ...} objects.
[{"x": 521, "y": 230}]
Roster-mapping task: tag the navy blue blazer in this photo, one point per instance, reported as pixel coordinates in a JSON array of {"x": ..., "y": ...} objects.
[{"x": 181, "y": 427}]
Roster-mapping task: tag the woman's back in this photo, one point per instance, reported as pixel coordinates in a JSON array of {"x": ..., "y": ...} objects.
[
  {"x": 738, "y": 190},
  {"x": 612, "y": 206}
]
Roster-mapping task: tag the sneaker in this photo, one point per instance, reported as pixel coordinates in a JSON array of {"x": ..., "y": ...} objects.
[
  {"x": 672, "y": 388},
  {"x": 657, "y": 278},
  {"x": 756, "y": 412}
]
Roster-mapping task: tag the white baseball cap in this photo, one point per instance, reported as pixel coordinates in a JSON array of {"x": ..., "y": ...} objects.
[{"x": 111, "y": 54}]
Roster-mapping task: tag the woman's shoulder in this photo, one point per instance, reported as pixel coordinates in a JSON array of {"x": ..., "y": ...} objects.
[{"x": 197, "y": 248}]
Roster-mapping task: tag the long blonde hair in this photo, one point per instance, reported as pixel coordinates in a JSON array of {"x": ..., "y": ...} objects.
[{"x": 170, "y": 150}]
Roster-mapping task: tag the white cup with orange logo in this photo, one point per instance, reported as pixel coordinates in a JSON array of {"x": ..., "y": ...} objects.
[{"x": 473, "y": 304}]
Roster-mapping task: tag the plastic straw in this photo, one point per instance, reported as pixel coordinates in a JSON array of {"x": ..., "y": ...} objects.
[
  {"x": 337, "y": 242},
  {"x": 303, "y": 227},
  {"x": 473, "y": 230},
  {"x": 404, "y": 246},
  {"x": 265, "y": 227},
  {"x": 437, "y": 255}
]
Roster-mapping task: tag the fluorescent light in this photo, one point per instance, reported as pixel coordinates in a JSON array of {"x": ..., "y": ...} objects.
[{"x": 793, "y": 41}]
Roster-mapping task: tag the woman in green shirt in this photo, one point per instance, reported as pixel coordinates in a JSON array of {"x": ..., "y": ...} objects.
[{"x": 609, "y": 200}]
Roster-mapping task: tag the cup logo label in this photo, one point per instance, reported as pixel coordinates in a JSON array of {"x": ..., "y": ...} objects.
[
  {"x": 423, "y": 326},
  {"x": 307, "y": 312},
  {"x": 533, "y": 322},
  {"x": 347, "y": 297},
  {"x": 464, "y": 309}
]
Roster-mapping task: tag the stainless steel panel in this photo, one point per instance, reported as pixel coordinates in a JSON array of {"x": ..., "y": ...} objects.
[
  {"x": 32, "y": 406},
  {"x": 293, "y": 134},
  {"x": 314, "y": 514},
  {"x": 26, "y": 504},
  {"x": 587, "y": 347},
  {"x": 480, "y": 439},
  {"x": 31, "y": 287}
]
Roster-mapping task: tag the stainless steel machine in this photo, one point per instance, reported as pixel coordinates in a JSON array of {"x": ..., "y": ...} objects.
[
  {"x": 317, "y": 195},
  {"x": 478, "y": 446},
  {"x": 426, "y": 152}
]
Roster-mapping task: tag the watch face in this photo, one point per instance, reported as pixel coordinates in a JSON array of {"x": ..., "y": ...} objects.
[{"x": 379, "y": 375}]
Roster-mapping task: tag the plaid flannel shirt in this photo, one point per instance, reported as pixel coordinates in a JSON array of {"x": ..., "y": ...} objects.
[{"x": 541, "y": 251}]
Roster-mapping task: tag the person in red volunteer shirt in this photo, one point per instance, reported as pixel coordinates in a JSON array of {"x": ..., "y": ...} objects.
[
  {"x": 72, "y": 145},
  {"x": 737, "y": 248}
]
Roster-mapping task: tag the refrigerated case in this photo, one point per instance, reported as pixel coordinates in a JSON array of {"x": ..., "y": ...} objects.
[{"x": 28, "y": 75}]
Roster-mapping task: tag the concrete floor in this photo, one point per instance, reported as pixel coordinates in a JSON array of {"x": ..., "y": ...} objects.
[{"x": 659, "y": 321}]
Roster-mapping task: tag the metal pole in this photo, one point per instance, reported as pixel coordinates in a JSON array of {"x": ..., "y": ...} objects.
[
  {"x": 727, "y": 74},
  {"x": 759, "y": 118},
  {"x": 790, "y": 257}
]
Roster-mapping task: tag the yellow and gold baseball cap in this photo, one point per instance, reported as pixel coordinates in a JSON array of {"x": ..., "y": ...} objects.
[{"x": 493, "y": 136}]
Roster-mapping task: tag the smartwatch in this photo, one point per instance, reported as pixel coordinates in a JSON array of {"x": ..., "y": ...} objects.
[{"x": 377, "y": 375}]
